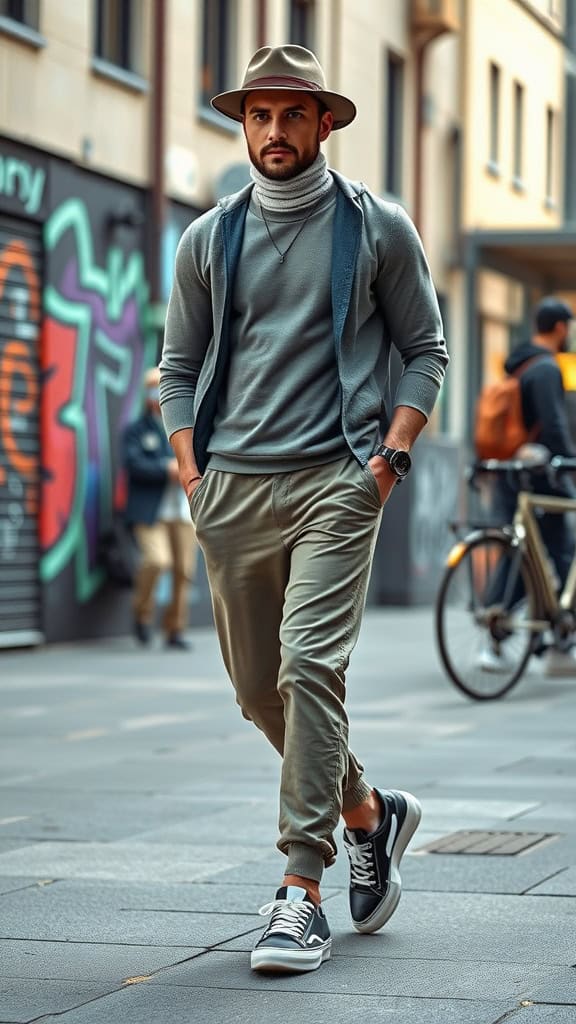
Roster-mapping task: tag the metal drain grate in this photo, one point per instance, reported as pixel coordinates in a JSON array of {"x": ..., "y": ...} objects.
[{"x": 501, "y": 844}]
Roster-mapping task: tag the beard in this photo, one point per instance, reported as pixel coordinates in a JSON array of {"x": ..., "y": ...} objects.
[{"x": 283, "y": 173}]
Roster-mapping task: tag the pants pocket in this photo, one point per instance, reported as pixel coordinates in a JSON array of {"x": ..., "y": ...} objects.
[
  {"x": 371, "y": 484},
  {"x": 193, "y": 502}
]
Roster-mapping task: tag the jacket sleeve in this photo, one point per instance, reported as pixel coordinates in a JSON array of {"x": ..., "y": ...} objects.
[
  {"x": 139, "y": 465},
  {"x": 407, "y": 299},
  {"x": 545, "y": 404},
  {"x": 187, "y": 333}
]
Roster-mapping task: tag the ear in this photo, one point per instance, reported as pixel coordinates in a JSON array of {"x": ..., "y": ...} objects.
[{"x": 326, "y": 122}]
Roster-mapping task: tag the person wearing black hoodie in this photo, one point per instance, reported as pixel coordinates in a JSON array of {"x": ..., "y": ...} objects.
[{"x": 544, "y": 409}]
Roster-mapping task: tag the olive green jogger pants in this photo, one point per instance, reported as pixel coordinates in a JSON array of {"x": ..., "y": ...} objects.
[{"x": 288, "y": 558}]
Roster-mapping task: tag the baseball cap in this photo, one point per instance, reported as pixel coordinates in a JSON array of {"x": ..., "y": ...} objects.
[{"x": 549, "y": 311}]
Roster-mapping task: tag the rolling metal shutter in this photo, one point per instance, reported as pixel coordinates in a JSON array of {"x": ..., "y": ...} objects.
[{"x": 20, "y": 317}]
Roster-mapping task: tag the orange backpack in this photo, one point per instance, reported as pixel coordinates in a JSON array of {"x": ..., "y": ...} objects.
[{"x": 499, "y": 428}]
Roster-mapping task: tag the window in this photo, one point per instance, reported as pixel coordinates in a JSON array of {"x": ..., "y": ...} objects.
[
  {"x": 493, "y": 161},
  {"x": 24, "y": 11},
  {"x": 550, "y": 143},
  {"x": 570, "y": 151},
  {"x": 218, "y": 66},
  {"x": 570, "y": 31},
  {"x": 518, "y": 142},
  {"x": 301, "y": 27},
  {"x": 117, "y": 33},
  {"x": 393, "y": 129}
]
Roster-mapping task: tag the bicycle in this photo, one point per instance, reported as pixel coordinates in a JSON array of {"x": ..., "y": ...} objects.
[{"x": 498, "y": 602}]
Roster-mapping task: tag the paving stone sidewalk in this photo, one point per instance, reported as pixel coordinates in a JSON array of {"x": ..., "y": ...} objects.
[{"x": 138, "y": 822}]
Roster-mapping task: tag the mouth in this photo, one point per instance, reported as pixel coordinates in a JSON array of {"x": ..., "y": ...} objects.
[{"x": 277, "y": 151}]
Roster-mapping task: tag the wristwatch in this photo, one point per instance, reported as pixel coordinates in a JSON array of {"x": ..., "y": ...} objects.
[{"x": 399, "y": 460}]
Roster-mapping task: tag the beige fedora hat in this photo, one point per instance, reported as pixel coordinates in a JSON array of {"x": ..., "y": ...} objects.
[{"x": 285, "y": 67}]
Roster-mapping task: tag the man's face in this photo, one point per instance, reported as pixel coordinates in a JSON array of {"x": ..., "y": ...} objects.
[
  {"x": 564, "y": 331},
  {"x": 283, "y": 131},
  {"x": 568, "y": 337}
]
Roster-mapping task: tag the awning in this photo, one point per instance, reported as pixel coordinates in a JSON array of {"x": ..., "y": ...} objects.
[{"x": 545, "y": 259}]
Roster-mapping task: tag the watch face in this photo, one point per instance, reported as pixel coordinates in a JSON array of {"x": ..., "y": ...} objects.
[{"x": 400, "y": 462}]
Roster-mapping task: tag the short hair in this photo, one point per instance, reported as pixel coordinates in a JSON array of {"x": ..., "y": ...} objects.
[{"x": 549, "y": 311}]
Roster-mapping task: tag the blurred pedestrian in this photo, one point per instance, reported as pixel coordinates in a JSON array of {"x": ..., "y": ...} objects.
[
  {"x": 157, "y": 509},
  {"x": 286, "y": 300}
]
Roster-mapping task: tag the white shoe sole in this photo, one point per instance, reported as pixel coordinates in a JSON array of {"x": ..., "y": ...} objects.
[
  {"x": 290, "y": 960},
  {"x": 384, "y": 911}
]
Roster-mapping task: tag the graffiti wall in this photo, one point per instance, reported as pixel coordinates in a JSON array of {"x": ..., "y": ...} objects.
[
  {"x": 82, "y": 375},
  {"x": 94, "y": 351},
  {"x": 20, "y": 321}
]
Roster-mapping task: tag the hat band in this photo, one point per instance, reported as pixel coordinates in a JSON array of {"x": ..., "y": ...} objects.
[{"x": 283, "y": 80}]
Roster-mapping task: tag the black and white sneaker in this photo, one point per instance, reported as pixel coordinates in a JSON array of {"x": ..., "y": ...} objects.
[
  {"x": 375, "y": 883},
  {"x": 298, "y": 936}
]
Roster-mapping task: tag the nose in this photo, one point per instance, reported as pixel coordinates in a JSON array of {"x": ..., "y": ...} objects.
[{"x": 276, "y": 129}]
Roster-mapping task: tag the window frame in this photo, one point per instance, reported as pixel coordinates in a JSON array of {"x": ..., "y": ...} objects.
[
  {"x": 495, "y": 105},
  {"x": 32, "y": 22},
  {"x": 569, "y": 161},
  {"x": 395, "y": 70},
  {"x": 302, "y": 23},
  {"x": 22, "y": 30},
  {"x": 215, "y": 15},
  {"x": 127, "y": 71},
  {"x": 551, "y": 132},
  {"x": 519, "y": 106}
]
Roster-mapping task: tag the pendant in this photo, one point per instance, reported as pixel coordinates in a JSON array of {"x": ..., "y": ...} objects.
[{"x": 281, "y": 259}]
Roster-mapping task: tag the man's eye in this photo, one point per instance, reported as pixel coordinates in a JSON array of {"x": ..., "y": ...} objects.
[
  {"x": 260, "y": 117},
  {"x": 294, "y": 114}
]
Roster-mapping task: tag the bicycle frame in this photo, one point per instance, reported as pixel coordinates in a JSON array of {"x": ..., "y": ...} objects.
[{"x": 526, "y": 530}]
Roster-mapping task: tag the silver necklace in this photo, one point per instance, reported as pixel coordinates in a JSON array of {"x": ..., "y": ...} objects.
[{"x": 284, "y": 254}]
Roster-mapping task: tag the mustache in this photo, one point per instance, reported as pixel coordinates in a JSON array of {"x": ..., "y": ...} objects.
[{"x": 277, "y": 145}]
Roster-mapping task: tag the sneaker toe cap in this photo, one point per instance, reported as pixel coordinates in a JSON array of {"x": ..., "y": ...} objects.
[{"x": 363, "y": 904}]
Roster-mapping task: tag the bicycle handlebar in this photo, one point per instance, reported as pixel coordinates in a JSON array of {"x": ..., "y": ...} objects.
[{"x": 557, "y": 465}]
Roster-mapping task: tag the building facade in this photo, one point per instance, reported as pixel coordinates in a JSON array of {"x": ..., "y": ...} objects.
[{"x": 109, "y": 147}]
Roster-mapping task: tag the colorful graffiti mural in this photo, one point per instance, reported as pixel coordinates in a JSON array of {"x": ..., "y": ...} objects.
[
  {"x": 93, "y": 354},
  {"x": 75, "y": 339},
  {"x": 19, "y": 305}
]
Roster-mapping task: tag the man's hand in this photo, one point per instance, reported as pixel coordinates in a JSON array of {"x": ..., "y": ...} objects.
[
  {"x": 385, "y": 477},
  {"x": 188, "y": 473},
  {"x": 406, "y": 424},
  {"x": 190, "y": 486}
]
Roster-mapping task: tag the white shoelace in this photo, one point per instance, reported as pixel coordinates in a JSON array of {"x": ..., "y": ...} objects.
[
  {"x": 361, "y": 862},
  {"x": 287, "y": 917}
]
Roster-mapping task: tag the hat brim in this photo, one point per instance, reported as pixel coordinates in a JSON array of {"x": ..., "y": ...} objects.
[{"x": 341, "y": 108}]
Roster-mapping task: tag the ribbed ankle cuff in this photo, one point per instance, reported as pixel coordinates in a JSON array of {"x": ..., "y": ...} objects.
[
  {"x": 359, "y": 792},
  {"x": 305, "y": 861}
]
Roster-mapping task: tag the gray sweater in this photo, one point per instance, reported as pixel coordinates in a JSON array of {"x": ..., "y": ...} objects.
[
  {"x": 280, "y": 407},
  {"x": 381, "y": 295}
]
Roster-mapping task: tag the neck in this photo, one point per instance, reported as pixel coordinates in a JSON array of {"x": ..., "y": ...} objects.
[
  {"x": 296, "y": 193},
  {"x": 546, "y": 341}
]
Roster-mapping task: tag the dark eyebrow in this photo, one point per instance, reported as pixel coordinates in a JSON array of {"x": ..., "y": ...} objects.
[{"x": 266, "y": 110}]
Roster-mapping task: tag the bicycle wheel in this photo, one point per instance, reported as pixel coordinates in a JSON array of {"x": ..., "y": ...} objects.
[{"x": 483, "y": 612}]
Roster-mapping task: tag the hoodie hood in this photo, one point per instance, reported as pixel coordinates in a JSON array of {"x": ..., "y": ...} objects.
[{"x": 522, "y": 354}]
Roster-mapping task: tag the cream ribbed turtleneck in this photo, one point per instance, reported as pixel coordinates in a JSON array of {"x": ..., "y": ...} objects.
[{"x": 296, "y": 193}]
